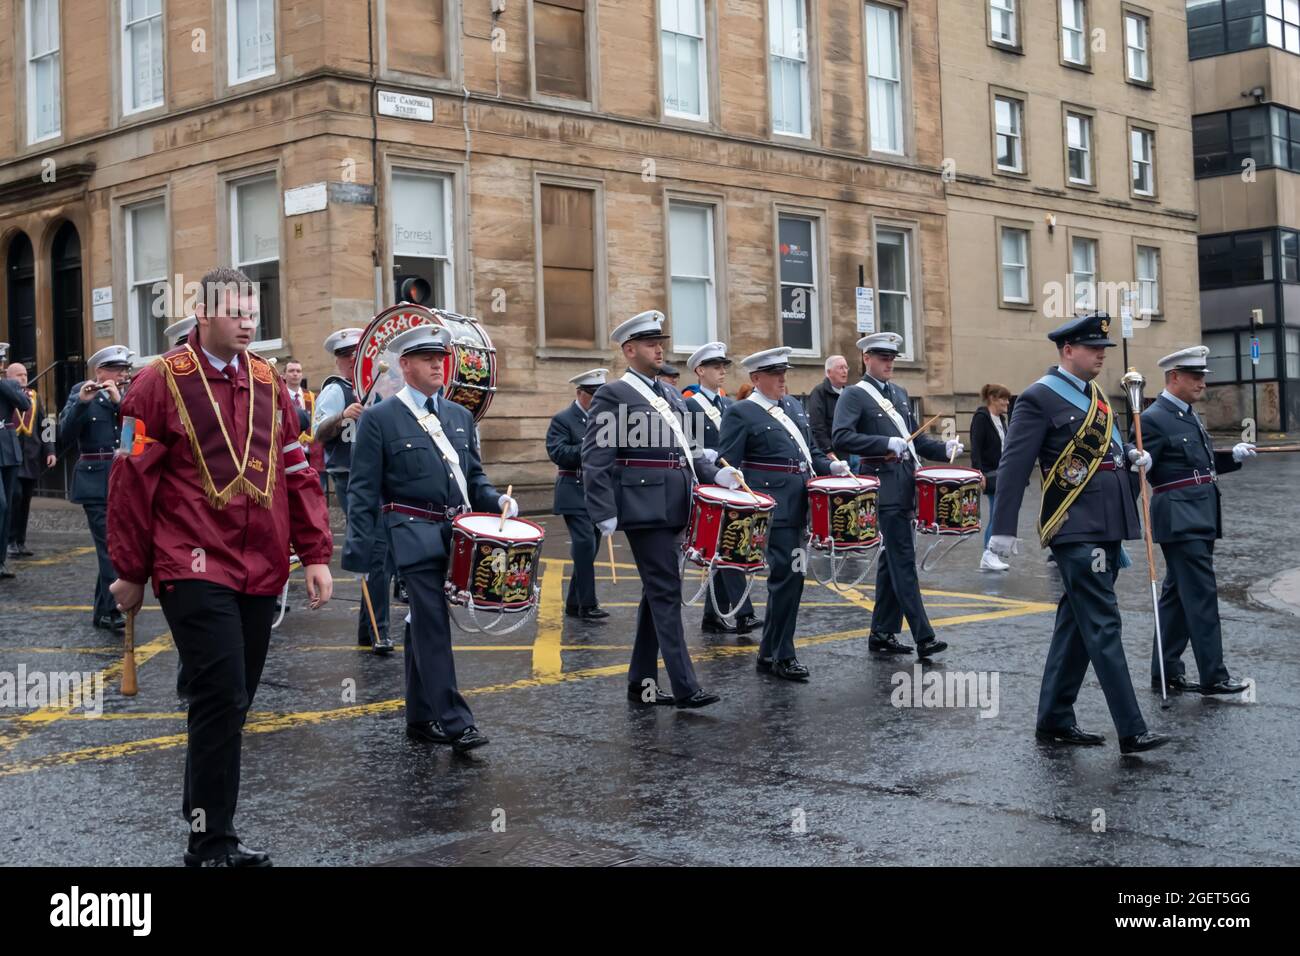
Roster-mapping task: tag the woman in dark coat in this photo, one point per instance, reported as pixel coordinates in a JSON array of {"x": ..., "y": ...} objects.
[{"x": 988, "y": 431}]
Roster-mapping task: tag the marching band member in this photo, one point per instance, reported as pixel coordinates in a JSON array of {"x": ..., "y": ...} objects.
[
  {"x": 564, "y": 448},
  {"x": 178, "y": 332},
  {"x": 414, "y": 468},
  {"x": 14, "y": 403},
  {"x": 709, "y": 363},
  {"x": 639, "y": 469},
  {"x": 1186, "y": 520},
  {"x": 304, "y": 399},
  {"x": 1065, "y": 423},
  {"x": 213, "y": 532},
  {"x": 768, "y": 434},
  {"x": 36, "y": 453},
  {"x": 873, "y": 419},
  {"x": 91, "y": 419},
  {"x": 333, "y": 426},
  {"x": 988, "y": 432}
]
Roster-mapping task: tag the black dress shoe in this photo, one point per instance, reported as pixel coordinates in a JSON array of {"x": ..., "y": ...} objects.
[
  {"x": 764, "y": 665},
  {"x": 1175, "y": 684},
  {"x": 1147, "y": 741},
  {"x": 701, "y": 698},
  {"x": 929, "y": 648},
  {"x": 887, "y": 644},
  {"x": 1228, "y": 686},
  {"x": 715, "y": 625},
  {"x": 1070, "y": 735},
  {"x": 467, "y": 740},
  {"x": 748, "y": 623},
  {"x": 431, "y": 733},
  {"x": 14, "y": 552},
  {"x": 790, "y": 669},
  {"x": 5, "y": 572},
  {"x": 637, "y": 696},
  {"x": 107, "y": 622},
  {"x": 24, "y": 551},
  {"x": 239, "y": 855},
  {"x": 384, "y": 646},
  {"x": 596, "y": 613}
]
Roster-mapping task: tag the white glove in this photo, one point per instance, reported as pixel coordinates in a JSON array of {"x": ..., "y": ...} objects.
[
  {"x": 710, "y": 454},
  {"x": 953, "y": 447},
  {"x": 509, "y": 505},
  {"x": 1243, "y": 450},
  {"x": 1003, "y": 545},
  {"x": 1139, "y": 459},
  {"x": 898, "y": 446},
  {"x": 841, "y": 468},
  {"x": 729, "y": 477},
  {"x": 607, "y": 526}
]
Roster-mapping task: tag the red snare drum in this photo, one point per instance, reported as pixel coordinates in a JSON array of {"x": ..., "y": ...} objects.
[
  {"x": 728, "y": 527},
  {"x": 495, "y": 567},
  {"x": 842, "y": 513},
  {"x": 947, "y": 500}
]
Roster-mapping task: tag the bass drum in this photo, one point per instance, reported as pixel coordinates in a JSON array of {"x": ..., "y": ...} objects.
[{"x": 469, "y": 372}]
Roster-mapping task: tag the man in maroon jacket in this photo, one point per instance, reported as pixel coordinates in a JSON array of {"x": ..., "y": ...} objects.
[{"x": 205, "y": 499}]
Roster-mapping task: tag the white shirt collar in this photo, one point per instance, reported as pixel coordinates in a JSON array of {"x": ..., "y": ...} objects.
[
  {"x": 645, "y": 378},
  {"x": 220, "y": 364},
  {"x": 1178, "y": 402},
  {"x": 709, "y": 393},
  {"x": 870, "y": 378},
  {"x": 420, "y": 399},
  {"x": 837, "y": 389},
  {"x": 581, "y": 411}
]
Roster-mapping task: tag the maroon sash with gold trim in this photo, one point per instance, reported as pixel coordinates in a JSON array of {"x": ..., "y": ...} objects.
[
  {"x": 27, "y": 420},
  {"x": 224, "y": 470}
]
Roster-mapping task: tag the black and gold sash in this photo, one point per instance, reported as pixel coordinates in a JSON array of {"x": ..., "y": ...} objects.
[
  {"x": 27, "y": 420},
  {"x": 1076, "y": 465}
]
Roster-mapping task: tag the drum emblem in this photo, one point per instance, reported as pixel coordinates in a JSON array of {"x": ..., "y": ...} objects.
[
  {"x": 473, "y": 366},
  {"x": 1075, "y": 472}
]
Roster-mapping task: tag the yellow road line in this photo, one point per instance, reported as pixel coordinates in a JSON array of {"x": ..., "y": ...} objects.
[
  {"x": 547, "y": 659},
  {"x": 286, "y": 721},
  {"x": 54, "y": 558}
]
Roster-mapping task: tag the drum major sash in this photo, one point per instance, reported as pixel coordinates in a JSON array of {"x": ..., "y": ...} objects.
[
  {"x": 777, "y": 412},
  {"x": 1076, "y": 465},
  {"x": 224, "y": 471},
  {"x": 666, "y": 413},
  {"x": 430, "y": 423},
  {"x": 888, "y": 408},
  {"x": 27, "y": 420}
]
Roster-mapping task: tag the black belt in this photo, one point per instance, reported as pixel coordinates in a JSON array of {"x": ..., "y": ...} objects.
[
  {"x": 1189, "y": 479},
  {"x": 569, "y": 473},
  {"x": 789, "y": 466},
  {"x": 421, "y": 510},
  {"x": 651, "y": 462},
  {"x": 98, "y": 456}
]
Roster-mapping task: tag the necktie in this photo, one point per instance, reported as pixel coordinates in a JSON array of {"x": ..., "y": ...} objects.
[
  {"x": 717, "y": 402},
  {"x": 229, "y": 372},
  {"x": 431, "y": 405}
]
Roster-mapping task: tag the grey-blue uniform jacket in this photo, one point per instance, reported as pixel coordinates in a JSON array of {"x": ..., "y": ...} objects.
[
  {"x": 751, "y": 434},
  {"x": 1180, "y": 448},
  {"x": 1041, "y": 426},
  {"x": 564, "y": 447},
  {"x": 708, "y": 435},
  {"x": 640, "y": 497},
  {"x": 862, "y": 428},
  {"x": 12, "y": 399},
  {"x": 96, "y": 427},
  {"x": 394, "y": 461}
]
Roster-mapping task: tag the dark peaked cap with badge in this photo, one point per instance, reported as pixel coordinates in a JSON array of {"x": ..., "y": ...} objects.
[{"x": 1091, "y": 330}]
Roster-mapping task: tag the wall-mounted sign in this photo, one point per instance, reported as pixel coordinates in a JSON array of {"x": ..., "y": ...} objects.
[
  {"x": 866, "y": 300},
  {"x": 102, "y": 306},
  {"x": 303, "y": 199},
  {"x": 405, "y": 106}
]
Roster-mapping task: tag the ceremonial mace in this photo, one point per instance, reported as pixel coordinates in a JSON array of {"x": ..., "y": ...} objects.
[
  {"x": 129, "y": 686},
  {"x": 1133, "y": 382}
]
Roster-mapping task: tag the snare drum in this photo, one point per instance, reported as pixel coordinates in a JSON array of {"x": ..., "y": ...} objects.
[
  {"x": 492, "y": 566},
  {"x": 728, "y": 528},
  {"x": 842, "y": 513},
  {"x": 947, "y": 500}
]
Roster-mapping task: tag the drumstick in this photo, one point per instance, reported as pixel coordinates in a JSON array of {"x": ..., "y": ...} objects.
[
  {"x": 505, "y": 508},
  {"x": 129, "y": 686},
  {"x": 370, "y": 609},
  {"x": 912, "y": 437},
  {"x": 1263, "y": 448},
  {"x": 613, "y": 573},
  {"x": 742, "y": 480}
]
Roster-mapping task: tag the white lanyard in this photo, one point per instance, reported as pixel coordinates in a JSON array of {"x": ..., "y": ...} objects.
[
  {"x": 715, "y": 416},
  {"x": 665, "y": 412},
  {"x": 892, "y": 412},
  {"x": 779, "y": 414},
  {"x": 429, "y": 422}
]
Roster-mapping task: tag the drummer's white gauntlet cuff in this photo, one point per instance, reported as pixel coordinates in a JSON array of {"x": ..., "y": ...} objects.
[
  {"x": 898, "y": 446},
  {"x": 953, "y": 447},
  {"x": 841, "y": 468},
  {"x": 509, "y": 506},
  {"x": 710, "y": 454},
  {"x": 1003, "y": 545},
  {"x": 729, "y": 477},
  {"x": 607, "y": 526},
  {"x": 1243, "y": 450}
]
